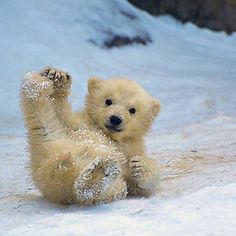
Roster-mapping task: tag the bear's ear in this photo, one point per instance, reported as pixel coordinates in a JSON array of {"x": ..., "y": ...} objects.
[
  {"x": 93, "y": 83},
  {"x": 155, "y": 107}
]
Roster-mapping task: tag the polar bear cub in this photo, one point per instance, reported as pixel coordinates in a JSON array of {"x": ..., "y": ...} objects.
[{"x": 95, "y": 155}]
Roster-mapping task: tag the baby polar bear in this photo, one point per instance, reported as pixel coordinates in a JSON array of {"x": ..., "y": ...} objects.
[{"x": 93, "y": 156}]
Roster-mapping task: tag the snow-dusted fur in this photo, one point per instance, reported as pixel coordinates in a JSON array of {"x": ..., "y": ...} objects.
[{"x": 74, "y": 158}]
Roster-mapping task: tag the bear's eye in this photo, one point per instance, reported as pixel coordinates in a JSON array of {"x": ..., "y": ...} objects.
[
  {"x": 108, "y": 102},
  {"x": 132, "y": 110}
]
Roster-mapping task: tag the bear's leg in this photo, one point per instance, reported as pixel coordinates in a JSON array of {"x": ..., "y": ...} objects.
[
  {"x": 100, "y": 181},
  {"x": 55, "y": 177},
  {"x": 40, "y": 117},
  {"x": 52, "y": 164}
]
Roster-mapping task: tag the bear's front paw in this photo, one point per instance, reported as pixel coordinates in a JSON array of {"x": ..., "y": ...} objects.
[
  {"x": 141, "y": 171},
  {"x": 60, "y": 79}
]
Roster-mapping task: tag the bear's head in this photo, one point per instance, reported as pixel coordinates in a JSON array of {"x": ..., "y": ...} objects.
[{"x": 120, "y": 107}]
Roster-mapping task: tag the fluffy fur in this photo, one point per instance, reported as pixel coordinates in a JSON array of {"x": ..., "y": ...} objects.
[{"x": 75, "y": 158}]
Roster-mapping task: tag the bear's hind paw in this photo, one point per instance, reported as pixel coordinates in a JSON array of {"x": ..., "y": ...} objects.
[{"x": 95, "y": 181}]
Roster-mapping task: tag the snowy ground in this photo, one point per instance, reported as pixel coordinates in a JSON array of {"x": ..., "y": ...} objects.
[{"x": 192, "y": 72}]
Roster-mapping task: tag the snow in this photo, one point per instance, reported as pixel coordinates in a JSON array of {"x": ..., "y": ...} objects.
[
  {"x": 190, "y": 70},
  {"x": 31, "y": 88}
]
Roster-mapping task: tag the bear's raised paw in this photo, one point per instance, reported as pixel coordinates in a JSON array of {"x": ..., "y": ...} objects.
[{"x": 61, "y": 80}]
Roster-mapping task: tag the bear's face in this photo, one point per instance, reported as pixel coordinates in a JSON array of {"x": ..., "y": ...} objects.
[{"x": 120, "y": 107}]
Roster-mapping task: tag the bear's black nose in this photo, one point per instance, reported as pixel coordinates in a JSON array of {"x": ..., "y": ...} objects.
[{"x": 115, "y": 120}]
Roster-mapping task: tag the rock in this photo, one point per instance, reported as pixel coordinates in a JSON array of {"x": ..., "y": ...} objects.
[{"x": 213, "y": 14}]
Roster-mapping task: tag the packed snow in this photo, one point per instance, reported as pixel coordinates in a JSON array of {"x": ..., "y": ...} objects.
[{"x": 190, "y": 70}]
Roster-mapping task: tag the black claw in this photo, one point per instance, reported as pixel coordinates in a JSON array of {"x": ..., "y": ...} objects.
[
  {"x": 67, "y": 77},
  {"x": 52, "y": 74},
  {"x": 134, "y": 161},
  {"x": 46, "y": 72}
]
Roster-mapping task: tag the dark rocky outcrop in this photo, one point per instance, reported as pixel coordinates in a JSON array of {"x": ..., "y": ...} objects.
[{"x": 213, "y": 14}]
